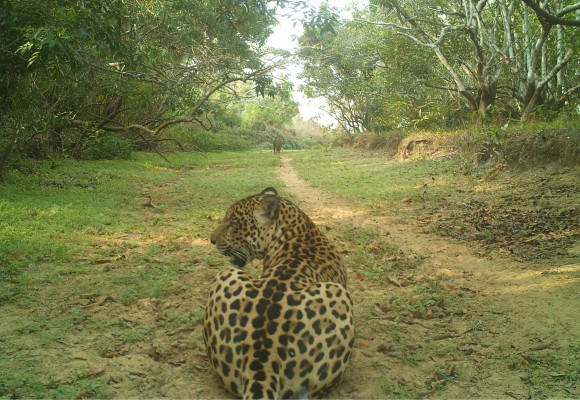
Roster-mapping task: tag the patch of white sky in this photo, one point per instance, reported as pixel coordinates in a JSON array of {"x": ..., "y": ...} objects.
[{"x": 285, "y": 36}]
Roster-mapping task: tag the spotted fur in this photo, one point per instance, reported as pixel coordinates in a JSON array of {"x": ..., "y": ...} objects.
[{"x": 289, "y": 333}]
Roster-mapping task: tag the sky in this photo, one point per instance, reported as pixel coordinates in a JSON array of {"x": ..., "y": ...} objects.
[{"x": 283, "y": 37}]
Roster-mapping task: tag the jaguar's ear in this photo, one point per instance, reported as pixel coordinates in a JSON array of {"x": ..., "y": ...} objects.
[
  {"x": 270, "y": 190},
  {"x": 267, "y": 209}
]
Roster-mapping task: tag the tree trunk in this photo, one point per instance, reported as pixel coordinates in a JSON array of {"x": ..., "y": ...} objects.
[{"x": 541, "y": 85}]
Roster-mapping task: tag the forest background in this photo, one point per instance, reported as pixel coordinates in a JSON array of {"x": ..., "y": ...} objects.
[{"x": 88, "y": 79}]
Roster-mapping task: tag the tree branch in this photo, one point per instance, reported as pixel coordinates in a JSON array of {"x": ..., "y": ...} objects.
[{"x": 557, "y": 19}]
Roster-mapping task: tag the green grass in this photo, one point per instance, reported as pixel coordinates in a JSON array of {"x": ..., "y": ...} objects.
[
  {"x": 48, "y": 214},
  {"x": 372, "y": 255},
  {"x": 82, "y": 232},
  {"x": 372, "y": 181}
]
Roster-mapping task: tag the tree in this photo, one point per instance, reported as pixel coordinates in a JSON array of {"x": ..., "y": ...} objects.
[
  {"x": 539, "y": 74},
  {"x": 129, "y": 67},
  {"x": 372, "y": 78},
  {"x": 272, "y": 115},
  {"x": 333, "y": 71},
  {"x": 488, "y": 48}
]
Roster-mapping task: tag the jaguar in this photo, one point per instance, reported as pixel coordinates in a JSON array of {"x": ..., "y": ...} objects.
[{"x": 288, "y": 333}]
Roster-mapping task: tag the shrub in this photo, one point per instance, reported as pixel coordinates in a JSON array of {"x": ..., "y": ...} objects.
[
  {"x": 192, "y": 139},
  {"x": 101, "y": 145}
]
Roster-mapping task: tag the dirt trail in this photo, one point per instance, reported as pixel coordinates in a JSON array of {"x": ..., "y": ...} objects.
[
  {"x": 517, "y": 316},
  {"x": 320, "y": 204}
]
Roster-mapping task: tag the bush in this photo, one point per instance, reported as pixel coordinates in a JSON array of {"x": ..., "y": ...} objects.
[
  {"x": 208, "y": 141},
  {"x": 105, "y": 146},
  {"x": 389, "y": 141}
]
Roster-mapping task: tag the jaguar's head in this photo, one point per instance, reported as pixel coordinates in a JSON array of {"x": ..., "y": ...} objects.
[{"x": 244, "y": 233}]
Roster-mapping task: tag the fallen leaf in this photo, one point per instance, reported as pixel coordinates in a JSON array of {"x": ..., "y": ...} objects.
[
  {"x": 154, "y": 354},
  {"x": 93, "y": 373},
  {"x": 181, "y": 329},
  {"x": 386, "y": 308},
  {"x": 451, "y": 288},
  {"x": 113, "y": 354},
  {"x": 361, "y": 345},
  {"x": 442, "y": 357},
  {"x": 102, "y": 300},
  {"x": 415, "y": 298},
  {"x": 451, "y": 367},
  {"x": 541, "y": 346},
  {"x": 442, "y": 336},
  {"x": 389, "y": 348},
  {"x": 393, "y": 281},
  {"x": 18, "y": 255},
  {"x": 78, "y": 356},
  {"x": 469, "y": 351},
  {"x": 149, "y": 203}
]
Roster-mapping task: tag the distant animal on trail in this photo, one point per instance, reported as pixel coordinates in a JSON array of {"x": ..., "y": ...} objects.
[{"x": 278, "y": 143}]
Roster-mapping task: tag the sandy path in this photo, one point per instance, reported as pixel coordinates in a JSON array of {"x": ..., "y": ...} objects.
[{"x": 320, "y": 205}]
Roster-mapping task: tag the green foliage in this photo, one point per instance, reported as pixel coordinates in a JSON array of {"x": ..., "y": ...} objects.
[
  {"x": 105, "y": 146},
  {"x": 372, "y": 78},
  {"x": 19, "y": 385},
  {"x": 26, "y": 385},
  {"x": 267, "y": 113},
  {"x": 266, "y": 118},
  {"x": 403, "y": 65},
  {"x": 132, "y": 335},
  {"x": 71, "y": 70},
  {"x": 523, "y": 145},
  {"x": 74, "y": 67},
  {"x": 195, "y": 139}
]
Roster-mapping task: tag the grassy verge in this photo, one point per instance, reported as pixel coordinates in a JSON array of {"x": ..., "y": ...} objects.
[
  {"x": 86, "y": 235},
  {"x": 527, "y": 213},
  {"x": 372, "y": 181},
  {"x": 433, "y": 327}
]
